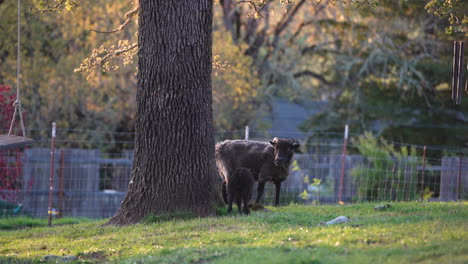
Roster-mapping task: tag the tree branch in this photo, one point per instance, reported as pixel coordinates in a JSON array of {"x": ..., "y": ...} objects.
[
  {"x": 129, "y": 15},
  {"x": 116, "y": 53},
  {"x": 54, "y": 8},
  {"x": 282, "y": 24},
  {"x": 286, "y": 19},
  {"x": 94, "y": 60},
  {"x": 313, "y": 75},
  {"x": 255, "y": 7},
  {"x": 59, "y": 4}
]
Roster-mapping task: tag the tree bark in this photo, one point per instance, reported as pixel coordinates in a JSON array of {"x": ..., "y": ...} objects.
[{"x": 174, "y": 165}]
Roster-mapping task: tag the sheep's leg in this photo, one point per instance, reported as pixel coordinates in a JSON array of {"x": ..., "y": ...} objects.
[
  {"x": 278, "y": 189},
  {"x": 246, "y": 196},
  {"x": 245, "y": 201},
  {"x": 239, "y": 203},
  {"x": 224, "y": 192},
  {"x": 230, "y": 201},
  {"x": 260, "y": 188}
]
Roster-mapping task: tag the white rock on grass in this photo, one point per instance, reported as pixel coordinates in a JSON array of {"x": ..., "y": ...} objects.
[{"x": 338, "y": 220}]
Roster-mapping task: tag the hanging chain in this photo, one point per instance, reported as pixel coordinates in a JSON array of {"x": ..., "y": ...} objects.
[{"x": 17, "y": 103}]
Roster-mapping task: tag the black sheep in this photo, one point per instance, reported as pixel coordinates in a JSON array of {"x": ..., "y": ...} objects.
[
  {"x": 239, "y": 189},
  {"x": 267, "y": 161}
]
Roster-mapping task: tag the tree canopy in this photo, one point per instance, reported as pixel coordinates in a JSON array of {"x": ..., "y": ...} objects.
[{"x": 378, "y": 65}]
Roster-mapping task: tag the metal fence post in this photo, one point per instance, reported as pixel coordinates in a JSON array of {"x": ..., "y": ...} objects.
[
  {"x": 459, "y": 176},
  {"x": 423, "y": 169},
  {"x": 343, "y": 164},
  {"x": 51, "y": 176},
  {"x": 246, "y": 132}
]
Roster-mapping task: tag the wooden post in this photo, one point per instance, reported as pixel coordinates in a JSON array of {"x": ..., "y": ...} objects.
[
  {"x": 343, "y": 165},
  {"x": 246, "y": 132},
  {"x": 51, "y": 176}
]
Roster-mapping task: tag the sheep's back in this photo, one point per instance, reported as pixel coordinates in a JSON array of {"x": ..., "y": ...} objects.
[{"x": 232, "y": 154}]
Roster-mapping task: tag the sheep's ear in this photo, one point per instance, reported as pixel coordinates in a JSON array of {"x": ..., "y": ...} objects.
[
  {"x": 274, "y": 141},
  {"x": 295, "y": 145}
]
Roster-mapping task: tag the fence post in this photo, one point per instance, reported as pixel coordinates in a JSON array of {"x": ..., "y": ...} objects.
[
  {"x": 459, "y": 176},
  {"x": 343, "y": 164},
  {"x": 423, "y": 169},
  {"x": 51, "y": 177},
  {"x": 246, "y": 132}
]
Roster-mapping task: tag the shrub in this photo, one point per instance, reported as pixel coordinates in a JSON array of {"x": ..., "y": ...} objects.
[{"x": 389, "y": 173}]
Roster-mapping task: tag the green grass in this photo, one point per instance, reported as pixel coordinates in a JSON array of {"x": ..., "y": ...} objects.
[
  {"x": 406, "y": 233},
  {"x": 10, "y": 223}
]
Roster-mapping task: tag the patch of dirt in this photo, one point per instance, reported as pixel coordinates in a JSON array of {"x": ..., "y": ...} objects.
[
  {"x": 97, "y": 255},
  {"x": 258, "y": 207}
]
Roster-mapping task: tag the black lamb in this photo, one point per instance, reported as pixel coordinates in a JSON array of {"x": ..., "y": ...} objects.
[{"x": 239, "y": 189}]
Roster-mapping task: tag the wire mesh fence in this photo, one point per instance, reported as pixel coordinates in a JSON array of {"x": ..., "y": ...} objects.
[{"x": 92, "y": 181}]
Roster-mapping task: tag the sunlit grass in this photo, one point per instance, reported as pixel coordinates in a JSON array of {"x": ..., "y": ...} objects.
[{"x": 405, "y": 233}]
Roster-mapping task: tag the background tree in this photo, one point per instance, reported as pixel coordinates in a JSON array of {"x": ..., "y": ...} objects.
[
  {"x": 457, "y": 13},
  {"x": 174, "y": 146},
  {"x": 355, "y": 58},
  {"x": 390, "y": 65},
  {"x": 275, "y": 33},
  {"x": 52, "y": 46},
  {"x": 237, "y": 101}
]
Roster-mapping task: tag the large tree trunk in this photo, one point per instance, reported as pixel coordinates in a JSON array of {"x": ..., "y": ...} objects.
[{"x": 174, "y": 166}]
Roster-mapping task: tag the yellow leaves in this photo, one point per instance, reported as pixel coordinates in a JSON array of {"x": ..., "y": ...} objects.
[
  {"x": 69, "y": 5},
  {"x": 104, "y": 59},
  {"x": 219, "y": 65},
  {"x": 442, "y": 87},
  {"x": 235, "y": 84}
]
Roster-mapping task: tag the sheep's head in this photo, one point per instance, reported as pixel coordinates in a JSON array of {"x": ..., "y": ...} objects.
[{"x": 284, "y": 150}]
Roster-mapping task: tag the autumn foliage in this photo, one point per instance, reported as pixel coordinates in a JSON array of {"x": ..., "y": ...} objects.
[{"x": 10, "y": 161}]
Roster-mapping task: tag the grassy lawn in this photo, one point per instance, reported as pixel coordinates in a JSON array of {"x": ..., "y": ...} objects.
[{"x": 405, "y": 233}]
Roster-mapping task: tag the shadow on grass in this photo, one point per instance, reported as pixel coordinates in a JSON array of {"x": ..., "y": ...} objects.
[
  {"x": 21, "y": 222},
  {"x": 312, "y": 254},
  {"x": 15, "y": 260},
  {"x": 175, "y": 216},
  {"x": 179, "y": 215}
]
